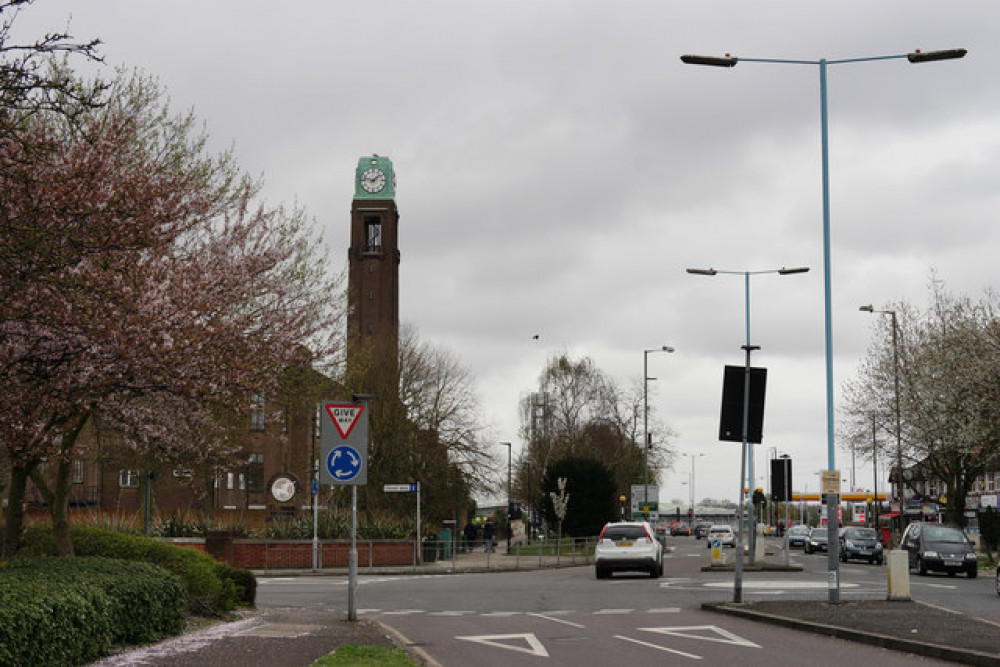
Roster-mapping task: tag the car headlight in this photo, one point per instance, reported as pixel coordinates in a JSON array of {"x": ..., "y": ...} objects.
[
  {"x": 970, "y": 556},
  {"x": 848, "y": 544},
  {"x": 930, "y": 554}
]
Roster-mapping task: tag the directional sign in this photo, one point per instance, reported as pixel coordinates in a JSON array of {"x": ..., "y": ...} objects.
[
  {"x": 344, "y": 438},
  {"x": 400, "y": 488},
  {"x": 343, "y": 463}
]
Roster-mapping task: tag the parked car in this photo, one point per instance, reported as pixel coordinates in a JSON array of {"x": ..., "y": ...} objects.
[
  {"x": 723, "y": 533},
  {"x": 858, "y": 543},
  {"x": 818, "y": 540},
  {"x": 940, "y": 548},
  {"x": 679, "y": 528},
  {"x": 628, "y": 546},
  {"x": 701, "y": 529},
  {"x": 797, "y": 536}
]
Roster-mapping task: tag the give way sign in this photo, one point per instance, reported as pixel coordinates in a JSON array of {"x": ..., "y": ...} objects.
[{"x": 344, "y": 438}]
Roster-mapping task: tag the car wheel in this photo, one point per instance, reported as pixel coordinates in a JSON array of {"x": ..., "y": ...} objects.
[
  {"x": 921, "y": 568},
  {"x": 654, "y": 571},
  {"x": 879, "y": 561},
  {"x": 972, "y": 572},
  {"x": 808, "y": 549},
  {"x": 998, "y": 581},
  {"x": 843, "y": 556}
]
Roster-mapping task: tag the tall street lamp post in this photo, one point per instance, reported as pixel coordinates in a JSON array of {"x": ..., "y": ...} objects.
[
  {"x": 507, "y": 445},
  {"x": 895, "y": 379},
  {"x": 647, "y": 441},
  {"x": 823, "y": 63},
  {"x": 691, "y": 485},
  {"x": 746, "y": 468}
]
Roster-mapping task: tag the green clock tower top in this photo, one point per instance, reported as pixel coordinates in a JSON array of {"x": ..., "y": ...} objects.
[{"x": 374, "y": 178}]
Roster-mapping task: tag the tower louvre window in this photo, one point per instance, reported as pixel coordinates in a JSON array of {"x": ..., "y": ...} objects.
[{"x": 373, "y": 234}]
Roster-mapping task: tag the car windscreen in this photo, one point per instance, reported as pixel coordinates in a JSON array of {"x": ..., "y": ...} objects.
[
  {"x": 943, "y": 534},
  {"x": 624, "y": 533},
  {"x": 860, "y": 534}
]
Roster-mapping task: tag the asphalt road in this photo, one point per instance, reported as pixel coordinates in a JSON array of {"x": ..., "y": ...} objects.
[{"x": 566, "y": 616}]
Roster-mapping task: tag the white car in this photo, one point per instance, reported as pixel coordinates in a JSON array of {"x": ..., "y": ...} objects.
[
  {"x": 628, "y": 546},
  {"x": 724, "y": 534}
]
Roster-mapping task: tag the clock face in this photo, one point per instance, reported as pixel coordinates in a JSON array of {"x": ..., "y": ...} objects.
[
  {"x": 373, "y": 180},
  {"x": 283, "y": 489}
]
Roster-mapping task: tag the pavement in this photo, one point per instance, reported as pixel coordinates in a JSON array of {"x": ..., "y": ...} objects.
[{"x": 296, "y": 636}]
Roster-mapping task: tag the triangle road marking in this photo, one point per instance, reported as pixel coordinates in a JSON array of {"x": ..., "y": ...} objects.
[{"x": 534, "y": 647}]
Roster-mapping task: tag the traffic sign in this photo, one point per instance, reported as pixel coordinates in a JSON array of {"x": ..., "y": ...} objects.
[
  {"x": 400, "y": 488},
  {"x": 344, "y": 439}
]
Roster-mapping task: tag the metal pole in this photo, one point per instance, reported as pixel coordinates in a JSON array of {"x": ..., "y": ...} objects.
[
  {"x": 752, "y": 523},
  {"x": 315, "y": 499},
  {"x": 419, "y": 541},
  {"x": 899, "y": 435},
  {"x": 738, "y": 566},
  {"x": 509, "y": 527},
  {"x": 352, "y": 562},
  {"x": 645, "y": 429}
]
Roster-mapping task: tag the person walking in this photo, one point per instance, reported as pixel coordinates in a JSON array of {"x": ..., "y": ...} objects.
[
  {"x": 470, "y": 535},
  {"x": 488, "y": 536}
]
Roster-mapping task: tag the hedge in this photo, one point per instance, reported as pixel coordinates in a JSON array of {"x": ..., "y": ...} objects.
[
  {"x": 69, "y": 611},
  {"x": 212, "y": 587}
]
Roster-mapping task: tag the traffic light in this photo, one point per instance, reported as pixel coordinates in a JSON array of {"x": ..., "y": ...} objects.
[{"x": 781, "y": 479}]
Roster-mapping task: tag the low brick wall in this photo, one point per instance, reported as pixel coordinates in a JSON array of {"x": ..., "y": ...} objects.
[{"x": 298, "y": 554}]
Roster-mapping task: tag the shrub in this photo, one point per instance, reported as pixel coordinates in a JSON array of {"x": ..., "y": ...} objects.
[
  {"x": 72, "y": 610},
  {"x": 207, "y": 592}
]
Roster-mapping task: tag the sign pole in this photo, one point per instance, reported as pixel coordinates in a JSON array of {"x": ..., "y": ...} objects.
[
  {"x": 352, "y": 562},
  {"x": 417, "y": 541},
  {"x": 315, "y": 495}
]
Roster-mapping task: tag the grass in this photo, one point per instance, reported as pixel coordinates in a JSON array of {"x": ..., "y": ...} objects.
[{"x": 353, "y": 655}]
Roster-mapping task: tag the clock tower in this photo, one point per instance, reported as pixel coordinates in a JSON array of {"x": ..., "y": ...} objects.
[{"x": 373, "y": 266}]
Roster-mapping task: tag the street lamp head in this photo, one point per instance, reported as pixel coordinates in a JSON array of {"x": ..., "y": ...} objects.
[
  {"x": 703, "y": 272},
  {"x": 668, "y": 349},
  {"x": 711, "y": 61},
  {"x": 868, "y": 309},
  {"x": 948, "y": 54},
  {"x": 798, "y": 269}
]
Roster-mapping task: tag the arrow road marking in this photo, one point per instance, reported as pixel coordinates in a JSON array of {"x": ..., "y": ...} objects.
[{"x": 534, "y": 647}]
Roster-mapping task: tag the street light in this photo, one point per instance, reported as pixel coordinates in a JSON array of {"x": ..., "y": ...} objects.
[
  {"x": 899, "y": 438},
  {"x": 746, "y": 467},
  {"x": 507, "y": 445},
  {"x": 691, "y": 485},
  {"x": 915, "y": 57},
  {"x": 645, "y": 420}
]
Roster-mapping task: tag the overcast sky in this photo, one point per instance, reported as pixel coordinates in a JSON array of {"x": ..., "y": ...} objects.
[{"x": 559, "y": 167}]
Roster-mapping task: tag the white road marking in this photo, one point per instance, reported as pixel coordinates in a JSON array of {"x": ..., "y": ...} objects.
[
  {"x": 776, "y": 584},
  {"x": 664, "y": 610},
  {"x": 696, "y": 632},
  {"x": 657, "y": 646},
  {"x": 549, "y": 617},
  {"x": 451, "y": 613},
  {"x": 613, "y": 611},
  {"x": 534, "y": 647}
]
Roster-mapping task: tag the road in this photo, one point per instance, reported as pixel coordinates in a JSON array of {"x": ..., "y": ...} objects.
[{"x": 566, "y": 616}]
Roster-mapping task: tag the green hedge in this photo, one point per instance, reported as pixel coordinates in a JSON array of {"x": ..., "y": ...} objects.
[
  {"x": 68, "y": 611},
  {"x": 212, "y": 587}
]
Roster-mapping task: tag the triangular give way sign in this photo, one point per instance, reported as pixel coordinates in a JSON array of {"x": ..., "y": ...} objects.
[{"x": 344, "y": 416}]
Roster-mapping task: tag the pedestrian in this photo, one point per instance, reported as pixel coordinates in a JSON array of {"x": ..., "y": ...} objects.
[
  {"x": 488, "y": 535},
  {"x": 470, "y": 535}
]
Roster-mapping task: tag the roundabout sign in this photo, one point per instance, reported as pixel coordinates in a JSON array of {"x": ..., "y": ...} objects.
[{"x": 344, "y": 439}]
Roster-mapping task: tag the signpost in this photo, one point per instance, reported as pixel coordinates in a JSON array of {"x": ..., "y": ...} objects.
[
  {"x": 343, "y": 434},
  {"x": 409, "y": 488}
]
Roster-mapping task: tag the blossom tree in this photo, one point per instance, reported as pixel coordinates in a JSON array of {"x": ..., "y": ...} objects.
[{"x": 152, "y": 289}]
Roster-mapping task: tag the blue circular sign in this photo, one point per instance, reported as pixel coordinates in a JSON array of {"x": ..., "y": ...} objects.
[{"x": 343, "y": 463}]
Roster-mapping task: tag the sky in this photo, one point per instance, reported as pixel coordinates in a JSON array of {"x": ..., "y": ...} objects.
[{"x": 559, "y": 168}]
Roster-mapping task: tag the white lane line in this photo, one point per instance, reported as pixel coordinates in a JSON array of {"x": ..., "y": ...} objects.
[{"x": 613, "y": 611}]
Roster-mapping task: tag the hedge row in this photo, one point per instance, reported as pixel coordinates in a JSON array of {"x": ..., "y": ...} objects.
[
  {"x": 69, "y": 611},
  {"x": 212, "y": 587}
]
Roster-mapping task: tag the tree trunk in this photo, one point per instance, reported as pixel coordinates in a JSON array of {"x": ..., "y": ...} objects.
[
  {"x": 15, "y": 510},
  {"x": 59, "y": 509}
]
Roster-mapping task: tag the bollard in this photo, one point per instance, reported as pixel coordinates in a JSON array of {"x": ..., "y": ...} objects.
[{"x": 898, "y": 574}]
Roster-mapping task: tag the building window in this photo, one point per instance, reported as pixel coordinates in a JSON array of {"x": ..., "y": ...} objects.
[
  {"x": 229, "y": 480},
  {"x": 991, "y": 482},
  {"x": 373, "y": 234},
  {"x": 78, "y": 472},
  {"x": 258, "y": 418},
  {"x": 128, "y": 479},
  {"x": 255, "y": 473}
]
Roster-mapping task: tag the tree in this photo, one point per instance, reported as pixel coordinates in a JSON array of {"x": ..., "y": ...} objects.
[
  {"x": 181, "y": 298},
  {"x": 579, "y": 411},
  {"x": 592, "y": 486},
  {"x": 949, "y": 386}
]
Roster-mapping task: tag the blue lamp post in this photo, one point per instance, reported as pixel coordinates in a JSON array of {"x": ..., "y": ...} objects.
[
  {"x": 822, "y": 63},
  {"x": 746, "y": 464}
]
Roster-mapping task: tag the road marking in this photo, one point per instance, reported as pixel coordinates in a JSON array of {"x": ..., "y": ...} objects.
[
  {"x": 776, "y": 584},
  {"x": 613, "y": 611},
  {"x": 946, "y": 586},
  {"x": 693, "y": 632},
  {"x": 501, "y": 614},
  {"x": 403, "y": 612},
  {"x": 548, "y": 617},
  {"x": 664, "y": 610},
  {"x": 534, "y": 647},
  {"x": 657, "y": 646},
  {"x": 451, "y": 613}
]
